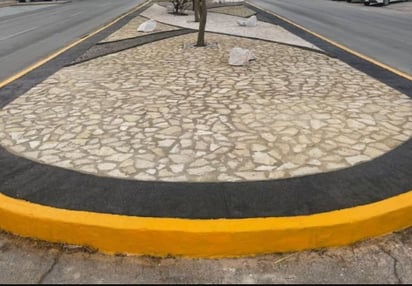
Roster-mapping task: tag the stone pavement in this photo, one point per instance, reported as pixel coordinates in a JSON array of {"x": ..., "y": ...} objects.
[{"x": 148, "y": 125}]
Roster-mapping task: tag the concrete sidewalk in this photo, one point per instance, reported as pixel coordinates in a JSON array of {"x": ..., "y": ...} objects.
[
  {"x": 144, "y": 144},
  {"x": 6, "y": 3},
  {"x": 384, "y": 260}
]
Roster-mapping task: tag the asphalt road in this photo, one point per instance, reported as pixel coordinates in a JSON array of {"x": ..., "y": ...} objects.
[
  {"x": 381, "y": 33},
  {"x": 30, "y": 33}
]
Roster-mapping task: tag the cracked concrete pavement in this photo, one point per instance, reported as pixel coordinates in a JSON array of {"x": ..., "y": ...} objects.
[{"x": 382, "y": 260}]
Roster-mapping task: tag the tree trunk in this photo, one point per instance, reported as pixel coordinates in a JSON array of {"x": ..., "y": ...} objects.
[
  {"x": 202, "y": 24},
  {"x": 196, "y": 10}
]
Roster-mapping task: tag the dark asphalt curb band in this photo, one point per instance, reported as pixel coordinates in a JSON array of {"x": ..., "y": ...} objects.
[
  {"x": 199, "y": 220},
  {"x": 370, "y": 182},
  {"x": 104, "y": 49}
]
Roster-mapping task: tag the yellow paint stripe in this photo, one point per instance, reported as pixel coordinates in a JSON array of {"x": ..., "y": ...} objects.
[
  {"x": 205, "y": 238},
  {"x": 62, "y": 50},
  {"x": 362, "y": 56}
]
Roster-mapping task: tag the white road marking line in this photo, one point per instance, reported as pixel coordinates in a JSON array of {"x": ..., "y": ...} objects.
[{"x": 18, "y": 33}]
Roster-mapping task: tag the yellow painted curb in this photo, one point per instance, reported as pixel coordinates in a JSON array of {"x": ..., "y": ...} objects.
[
  {"x": 205, "y": 238},
  {"x": 362, "y": 56},
  {"x": 62, "y": 50}
]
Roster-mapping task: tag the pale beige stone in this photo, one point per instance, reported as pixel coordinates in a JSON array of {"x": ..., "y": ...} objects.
[
  {"x": 357, "y": 159},
  {"x": 263, "y": 158},
  {"x": 200, "y": 170},
  {"x": 34, "y": 144},
  {"x": 304, "y": 171},
  {"x": 251, "y": 175},
  {"x": 180, "y": 158},
  {"x": 106, "y": 166},
  {"x": 144, "y": 164}
]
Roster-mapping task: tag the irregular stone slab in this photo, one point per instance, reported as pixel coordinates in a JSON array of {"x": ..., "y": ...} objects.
[
  {"x": 148, "y": 26},
  {"x": 249, "y": 22},
  {"x": 240, "y": 57}
]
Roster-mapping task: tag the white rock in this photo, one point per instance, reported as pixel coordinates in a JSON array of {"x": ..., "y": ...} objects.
[
  {"x": 249, "y": 22},
  {"x": 147, "y": 26},
  {"x": 240, "y": 57}
]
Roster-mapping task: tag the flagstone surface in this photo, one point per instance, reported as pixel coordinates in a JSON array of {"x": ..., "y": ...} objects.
[{"x": 168, "y": 111}]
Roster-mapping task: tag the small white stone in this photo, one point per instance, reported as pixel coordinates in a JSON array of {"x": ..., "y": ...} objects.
[
  {"x": 357, "y": 159},
  {"x": 287, "y": 166},
  {"x": 144, "y": 164},
  {"x": 265, "y": 168},
  {"x": 48, "y": 145},
  {"x": 317, "y": 124},
  {"x": 34, "y": 144},
  {"x": 144, "y": 176},
  {"x": 173, "y": 130},
  {"x": 147, "y": 26},
  {"x": 119, "y": 157},
  {"x": 213, "y": 147},
  {"x": 106, "y": 166},
  {"x": 240, "y": 57},
  {"x": 290, "y": 131},
  {"x": 315, "y": 153},
  {"x": 177, "y": 158},
  {"x": 166, "y": 143},
  {"x": 249, "y": 22},
  {"x": 199, "y": 162},
  {"x": 304, "y": 171},
  {"x": 315, "y": 162},
  {"x": 185, "y": 143},
  {"x": 151, "y": 171},
  {"x": 227, "y": 178},
  {"x": 268, "y": 137},
  {"x": 177, "y": 168},
  {"x": 50, "y": 158},
  {"x": 258, "y": 147},
  {"x": 201, "y": 170},
  {"x": 263, "y": 158},
  {"x": 354, "y": 124},
  {"x": 131, "y": 118},
  {"x": 251, "y": 175}
]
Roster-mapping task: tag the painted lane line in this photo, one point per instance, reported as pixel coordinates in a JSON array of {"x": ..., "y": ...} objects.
[
  {"x": 75, "y": 14},
  {"x": 18, "y": 33}
]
